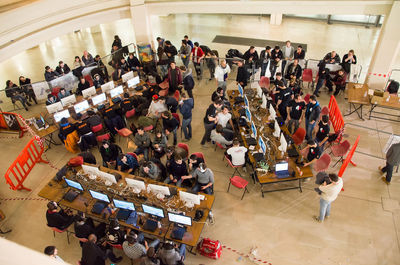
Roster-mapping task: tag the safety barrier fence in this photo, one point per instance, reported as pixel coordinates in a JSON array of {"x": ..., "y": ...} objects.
[{"x": 336, "y": 117}]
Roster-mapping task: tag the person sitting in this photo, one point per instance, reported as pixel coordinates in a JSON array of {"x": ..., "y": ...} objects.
[
  {"x": 118, "y": 73},
  {"x": 339, "y": 80},
  {"x": 93, "y": 119},
  {"x": 15, "y": 93},
  {"x": 86, "y": 136},
  {"x": 65, "y": 129},
  {"x": 332, "y": 58},
  {"x": 62, "y": 68},
  {"x": 251, "y": 58},
  {"x": 171, "y": 254},
  {"x": 114, "y": 234},
  {"x": 127, "y": 163},
  {"x": 87, "y": 59},
  {"x": 170, "y": 124},
  {"x": 204, "y": 179},
  {"x": 26, "y": 87},
  {"x": 237, "y": 154},
  {"x": 150, "y": 258},
  {"x": 51, "y": 99},
  {"x": 84, "y": 227},
  {"x": 126, "y": 104},
  {"x": 93, "y": 254},
  {"x": 63, "y": 93},
  {"x": 134, "y": 250},
  {"x": 322, "y": 134},
  {"x": 78, "y": 67},
  {"x": 142, "y": 142},
  {"x": 112, "y": 119},
  {"x": 52, "y": 252},
  {"x": 299, "y": 54},
  {"x": 156, "y": 107},
  {"x": 176, "y": 170},
  {"x": 348, "y": 60},
  {"x": 50, "y": 74},
  {"x": 134, "y": 63},
  {"x": 83, "y": 84},
  {"x": 294, "y": 70},
  {"x": 109, "y": 152},
  {"x": 124, "y": 65},
  {"x": 313, "y": 154},
  {"x": 276, "y": 60},
  {"x": 218, "y": 94},
  {"x": 98, "y": 81},
  {"x": 194, "y": 162},
  {"x": 150, "y": 170},
  {"x": 222, "y": 135},
  {"x": 159, "y": 144},
  {"x": 59, "y": 219},
  {"x": 225, "y": 118},
  {"x": 103, "y": 69}
]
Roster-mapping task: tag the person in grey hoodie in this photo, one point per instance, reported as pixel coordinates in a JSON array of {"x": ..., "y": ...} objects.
[
  {"x": 150, "y": 170},
  {"x": 204, "y": 179},
  {"x": 184, "y": 53},
  {"x": 288, "y": 54},
  {"x": 159, "y": 144},
  {"x": 188, "y": 81},
  {"x": 185, "y": 107},
  {"x": 170, "y": 255},
  {"x": 142, "y": 141},
  {"x": 392, "y": 159}
]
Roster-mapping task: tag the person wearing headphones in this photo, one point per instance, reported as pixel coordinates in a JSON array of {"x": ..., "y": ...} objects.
[{"x": 59, "y": 219}]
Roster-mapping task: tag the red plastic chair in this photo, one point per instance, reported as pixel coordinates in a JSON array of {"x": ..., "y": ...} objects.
[
  {"x": 83, "y": 240},
  {"x": 177, "y": 95},
  {"x": 55, "y": 91},
  {"x": 124, "y": 132},
  {"x": 89, "y": 79},
  {"x": 134, "y": 155},
  {"x": 55, "y": 229},
  {"x": 148, "y": 128},
  {"x": 117, "y": 246},
  {"x": 307, "y": 77},
  {"x": 220, "y": 147},
  {"x": 97, "y": 128},
  {"x": 240, "y": 183},
  {"x": 299, "y": 135},
  {"x": 322, "y": 163},
  {"x": 325, "y": 111},
  {"x": 200, "y": 155},
  {"x": 130, "y": 113},
  {"x": 340, "y": 150},
  {"x": 264, "y": 82},
  {"x": 307, "y": 98},
  {"x": 103, "y": 137},
  {"x": 184, "y": 146},
  {"x": 235, "y": 167}
]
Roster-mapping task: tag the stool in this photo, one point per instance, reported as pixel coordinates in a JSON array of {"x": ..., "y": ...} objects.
[
  {"x": 238, "y": 182},
  {"x": 55, "y": 229}
]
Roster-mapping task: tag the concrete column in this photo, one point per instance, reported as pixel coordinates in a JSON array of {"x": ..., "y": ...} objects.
[
  {"x": 276, "y": 19},
  {"x": 386, "y": 50},
  {"x": 141, "y": 22}
]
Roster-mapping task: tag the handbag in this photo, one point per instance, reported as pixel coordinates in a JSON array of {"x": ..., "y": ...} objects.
[
  {"x": 76, "y": 161},
  {"x": 210, "y": 248}
]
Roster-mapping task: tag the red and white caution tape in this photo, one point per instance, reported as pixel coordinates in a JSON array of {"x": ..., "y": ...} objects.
[
  {"x": 251, "y": 257},
  {"x": 379, "y": 75},
  {"x": 23, "y": 199}
]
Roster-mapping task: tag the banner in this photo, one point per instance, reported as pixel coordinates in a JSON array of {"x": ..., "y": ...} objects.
[
  {"x": 40, "y": 90},
  {"x": 145, "y": 53}
]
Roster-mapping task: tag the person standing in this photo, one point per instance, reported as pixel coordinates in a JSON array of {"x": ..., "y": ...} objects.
[
  {"x": 323, "y": 77},
  {"x": 313, "y": 111},
  {"x": 185, "y": 107},
  {"x": 142, "y": 142},
  {"x": 174, "y": 78},
  {"x": 170, "y": 50},
  {"x": 265, "y": 56},
  {"x": 184, "y": 53},
  {"x": 322, "y": 133},
  {"x": 197, "y": 56},
  {"x": 295, "y": 111},
  {"x": 188, "y": 81},
  {"x": 392, "y": 159},
  {"x": 211, "y": 59},
  {"x": 328, "y": 195},
  {"x": 210, "y": 120},
  {"x": 242, "y": 74},
  {"x": 52, "y": 252},
  {"x": 221, "y": 74},
  {"x": 288, "y": 53}
]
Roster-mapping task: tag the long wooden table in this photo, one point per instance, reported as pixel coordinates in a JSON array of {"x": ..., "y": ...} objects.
[
  {"x": 56, "y": 190},
  {"x": 268, "y": 178},
  {"x": 357, "y": 95},
  {"x": 390, "y": 102}
]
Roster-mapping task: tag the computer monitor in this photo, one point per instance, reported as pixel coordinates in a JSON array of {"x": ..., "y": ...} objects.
[
  {"x": 272, "y": 113},
  {"x": 74, "y": 184},
  {"x": 88, "y": 92},
  {"x": 248, "y": 113},
  {"x": 180, "y": 219},
  {"x": 127, "y": 76},
  {"x": 283, "y": 145},
  {"x": 159, "y": 190},
  {"x": 99, "y": 99},
  {"x": 277, "y": 129},
  {"x": 68, "y": 100},
  {"x": 253, "y": 130},
  {"x": 116, "y": 91},
  {"x": 264, "y": 101},
  {"x": 81, "y": 106},
  {"x": 246, "y": 101},
  {"x": 262, "y": 145},
  {"x": 42, "y": 119},
  {"x": 240, "y": 90},
  {"x": 136, "y": 185},
  {"x": 90, "y": 170},
  {"x": 133, "y": 82},
  {"x": 190, "y": 199},
  {"x": 282, "y": 166},
  {"x": 62, "y": 114},
  {"x": 107, "y": 177},
  {"x": 53, "y": 108},
  {"x": 259, "y": 90},
  {"x": 124, "y": 205},
  {"x": 107, "y": 86},
  {"x": 153, "y": 210},
  {"x": 99, "y": 196}
]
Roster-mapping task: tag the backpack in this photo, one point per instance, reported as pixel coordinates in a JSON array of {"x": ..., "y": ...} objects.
[
  {"x": 205, "y": 49},
  {"x": 210, "y": 248},
  {"x": 393, "y": 87}
]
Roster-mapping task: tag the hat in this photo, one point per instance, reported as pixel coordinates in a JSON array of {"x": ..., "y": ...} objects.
[{"x": 155, "y": 97}]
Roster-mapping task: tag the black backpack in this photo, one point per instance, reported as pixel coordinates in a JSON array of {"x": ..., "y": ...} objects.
[{"x": 393, "y": 87}]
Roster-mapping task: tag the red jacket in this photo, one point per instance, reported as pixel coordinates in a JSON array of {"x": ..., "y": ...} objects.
[
  {"x": 178, "y": 75},
  {"x": 200, "y": 54}
]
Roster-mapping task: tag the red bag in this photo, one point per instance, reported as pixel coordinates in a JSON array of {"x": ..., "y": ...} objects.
[
  {"x": 76, "y": 161},
  {"x": 210, "y": 248}
]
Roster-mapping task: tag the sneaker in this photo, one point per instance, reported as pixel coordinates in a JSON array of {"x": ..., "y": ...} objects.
[
  {"x": 380, "y": 168},
  {"x": 316, "y": 218},
  {"x": 117, "y": 260},
  {"x": 29, "y": 104},
  {"x": 384, "y": 180}
]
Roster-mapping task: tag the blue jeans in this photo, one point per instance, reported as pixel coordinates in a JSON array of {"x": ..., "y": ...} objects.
[
  {"x": 197, "y": 188},
  {"x": 263, "y": 68},
  {"x": 389, "y": 171},
  {"x": 324, "y": 209},
  {"x": 187, "y": 128},
  {"x": 309, "y": 129},
  {"x": 185, "y": 61},
  {"x": 319, "y": 85},
  {"x": 169, "y": 181},
  {"x": 182, "y": 250},
  {"x": 144, "y": 151}
]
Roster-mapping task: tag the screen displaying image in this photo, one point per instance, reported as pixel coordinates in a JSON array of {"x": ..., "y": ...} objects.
[
  {"x": 180, "y": 219},
  {"x": 116, "y": 91},
  {"x": 62, "y": 114},
  {"x": 124, "y": 205},
  {"x": 107, "y": 86},
  {"x": 248, "y": 113},
  {"x": 99, "y": 99},
  {"x": 81, "y": 106},
  {"x": 54, "y": 107},
  {"x": 262, "y": 144},
  {"x": 254, "y": 130},
  {"x": 89, "y": 92},
  {"x": 240, "y": 90},
  {"x": 73, "y": 184},
  {"x": 99, "y": 196},
  {"x": 134, "y": 81},
  {"x": 153, "y": 210},
  {"x": 282, "y": 166},
  {"x": 68, "y": 100}
]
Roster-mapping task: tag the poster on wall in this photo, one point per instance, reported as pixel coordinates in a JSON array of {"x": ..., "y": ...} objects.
[
  {"x": 145, "y": 53},
  {"x": 40, "y": 90},
  {"x": 9, "y": 121}
]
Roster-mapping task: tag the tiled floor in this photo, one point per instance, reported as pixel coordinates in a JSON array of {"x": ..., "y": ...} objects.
[{"x": 363, "y": 229}]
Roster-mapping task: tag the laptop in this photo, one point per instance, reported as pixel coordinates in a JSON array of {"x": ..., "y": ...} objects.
[
  {"x": 150, "y": 225},
  {"x": 282, "y": 170}
]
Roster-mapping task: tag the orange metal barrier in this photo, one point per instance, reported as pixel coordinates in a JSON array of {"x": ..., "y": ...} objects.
[
  {"x": 336, "y": 117},
  {"x": 349, "y": 157},
  {"x": 22, "y": 166}
]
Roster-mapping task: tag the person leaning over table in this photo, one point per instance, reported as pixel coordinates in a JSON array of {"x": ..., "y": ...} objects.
[
  {"x": 65, "y": 129},
  {"x": 127, "y": 163},
  {"x": 170, "y": 254},
  {"x": 210, "y": 120},
  {"x": 109, "y": 152},
  {"x": 150, "y": 170},
  {"x": 204, "y": 179},
  {"x": 313, "y": 154}
]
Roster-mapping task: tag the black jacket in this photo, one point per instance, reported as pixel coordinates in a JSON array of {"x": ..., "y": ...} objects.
[
  {"x": 48, "y": 76},
  {"x": 92, "y": 254},
  {"x": 58, "y": 219},
  {"x": 111, "y": 154},
  {"x": 63, "y": 70},
  {"x": 247, "y": 56},
  {"x": 328, "y": 58},
  {"x": 300, "y": 55},
  {"x": 293, "y": 70},
  {"x": 242, "y": 75}
]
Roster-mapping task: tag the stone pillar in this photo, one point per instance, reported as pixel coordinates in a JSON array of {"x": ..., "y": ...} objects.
[
  {"x": 141, "y": 22},
  {"x": 386, "y": 50}
]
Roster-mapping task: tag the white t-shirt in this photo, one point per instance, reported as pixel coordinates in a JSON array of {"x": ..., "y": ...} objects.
[
  {"x": 223, "y": 118},
  {"x": 331, "y": 191},
  {"x": 238, "y": 155},
  {"x": 220, "y": 72}
]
